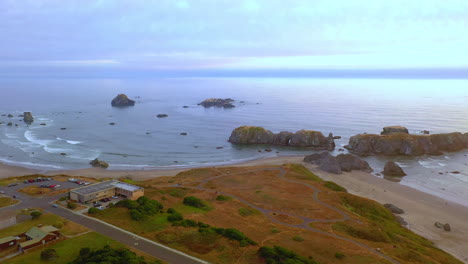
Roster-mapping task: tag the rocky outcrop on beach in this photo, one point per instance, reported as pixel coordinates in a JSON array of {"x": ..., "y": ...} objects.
[
  {"x": 28, "y": 118},
  {"x": 218, "y": 102},
  {"x": 303, "y": 138},
  {"x": 394, "y": 129},
  {"x": 398, "y": 143},
  {"x": 161, "y": 115},
  {"x": 122, "y": 100},
  {"x": 338, "y": 164},
  {"x": 99, "y": 163},
  {"x": 392, "y": 169},
  {"x": 394, "y": 209}
]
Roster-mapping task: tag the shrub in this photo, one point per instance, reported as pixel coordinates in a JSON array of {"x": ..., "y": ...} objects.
[
  {"x": 36, "y": 214},
  {"x": 339, "y": 255},
  {"x": 71, "y": 205},
  {"x": 175, "y": 217},
  {"x": 128, "y": 204},
  {"x": 63, "y": 198},
  {"x": 298, "y": 238},
  {"x": 85, "y": 251},
  {"x": 335, "y": 187},
  {"x": 93, "y": 210},
  {"x": 223, "y": 198},
  {"x": 171, "y": 210},
  {"x": 279, "y": 255},
  {"x": 247, "y": 211},
  {"x": 275, "y": 230},
  {"x": 137, "y": 215},
  {"x": 194, "y": 202},
  {"x": 49, "y": 254}
]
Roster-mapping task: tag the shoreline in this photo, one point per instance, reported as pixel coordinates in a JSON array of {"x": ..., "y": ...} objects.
[{"x": 422, "y": 209}]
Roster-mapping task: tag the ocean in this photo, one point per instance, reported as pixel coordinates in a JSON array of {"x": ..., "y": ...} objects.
[{"x": 77, "y": 114}]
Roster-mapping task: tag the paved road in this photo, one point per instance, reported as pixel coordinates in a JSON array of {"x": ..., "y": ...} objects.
[
  {"x": 149, "y": 247},
  {"x": 269, "y": 213}
]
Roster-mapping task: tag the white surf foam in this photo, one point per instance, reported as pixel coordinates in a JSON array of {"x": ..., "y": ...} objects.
[{"x": 72, "y": 142}]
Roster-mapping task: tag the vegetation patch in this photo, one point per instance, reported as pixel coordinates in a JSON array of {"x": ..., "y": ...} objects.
[
  {"x": 109, "y": 255},
  {"x": 142, "y": 208},
  {"x": 280, "y": 255},
  {"x": 194, "y": 202},
  {"x": 7, "y": 201},
  {"x": 181, "y": 192},
  {"x": 248, "y": 211},
  {"x": 304, "y": 172},
  {"x": 223, "y": 198},
  {"x": 335, "y": 187}
]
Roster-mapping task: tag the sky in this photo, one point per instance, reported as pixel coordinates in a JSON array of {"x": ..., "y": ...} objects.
[{"x": 39, "y": 36}]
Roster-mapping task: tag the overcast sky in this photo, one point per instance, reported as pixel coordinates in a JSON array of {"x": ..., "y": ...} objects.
[{"x": 234, "y": 34}]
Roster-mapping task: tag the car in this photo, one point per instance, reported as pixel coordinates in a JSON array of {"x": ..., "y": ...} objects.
[
  {"x": 12, "y": 184},
  {"x": 26, "y": 181},
  {"x": 57, "y": 185},
  {"x": 30, "y": 180},
  {"x": 2, "y": 192},
  {"x": 14, "y": 196},
  {"x": 115, "y": 197},
  {"x": 55, "y": 205},
  {"x": 52, "y": 186}
]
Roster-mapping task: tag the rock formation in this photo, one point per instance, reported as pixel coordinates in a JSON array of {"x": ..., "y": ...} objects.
[
  {"x": 122, "y": 100},
  {"x": 303, "y": 138},
  {"x": 161, "y": 115},
  {"x": 338, "y": 164},
  {"x": 394, "y": 209},
  {"x": 392, "y": 169},
  {"x": 10, "y": 115},
  {"x": 99, "y": 163},
  {"x": 218, "y": 102},
  {"x": 406, "y": 145},
  {"x": 394, "y": 129}
]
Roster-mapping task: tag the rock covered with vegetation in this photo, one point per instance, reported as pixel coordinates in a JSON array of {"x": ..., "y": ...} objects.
[
  {"x": 218, "y": 102},
  {"x": 303, "y": 138},
  {"x": 338, "y": 164},
  {"x": 122, "y": 100},
  {"x": 392, "y": 169},
  {"x": 99, "y": 163},
  {"x": 28, "y": 118},
  {"x": 394, "y": 129},
  {"x": 395, "y": 144}
]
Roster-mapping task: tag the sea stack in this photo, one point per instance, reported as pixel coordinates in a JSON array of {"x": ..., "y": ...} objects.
[
  {"x": 122, "y": 100},
  {"x": 28, "y": 118},
  {"x": 392, "y": 169},
  {"x": 99, "y": 163},
  {"x": 304, "y": 138},
  {"x": 218, "y": 102}
]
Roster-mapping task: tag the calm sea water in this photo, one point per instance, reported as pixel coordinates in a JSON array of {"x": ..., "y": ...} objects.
[{"x": 139, "y": 140}]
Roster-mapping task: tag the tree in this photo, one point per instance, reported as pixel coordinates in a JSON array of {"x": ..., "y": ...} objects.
[
  {"x": 194, "y": 201},
  {"x": 49, "y": 254},
  {"x": 71, "y": 205},
  {"x": 36, "y": 214},
  {"x": 93, "y": 210}
]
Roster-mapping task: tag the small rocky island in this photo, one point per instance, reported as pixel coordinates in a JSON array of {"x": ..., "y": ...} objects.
[
  {"x": 217, "y": 102},
  {"x": 28, "y": 118},
  {"x": 338, "y": 164},
  {"x": 250, "y": 135},
  {"x": 122, "y": 100},
  {"x": 392, "y": 169},
  {"x": 399, "y": 142},
  {"x": 99, "y": 163}
]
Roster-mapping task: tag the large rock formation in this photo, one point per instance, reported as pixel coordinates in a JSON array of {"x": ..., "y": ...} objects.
[
  {"x": 394, "y": 129},
  {"x": 304, "y": 138},
  {"x": 28, "y": 118},
  {"x": 218, "y": 102},
  {"x": 122, "y": 100},
  {"x": 99, "y": 163},
  {"x": 392, "y": 169},
  {"x": 395, "y": 144},
  {"x": 338, "y": 164}
]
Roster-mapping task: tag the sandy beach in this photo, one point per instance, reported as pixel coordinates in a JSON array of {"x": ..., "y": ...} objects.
[{"x": 422, "y": 210}]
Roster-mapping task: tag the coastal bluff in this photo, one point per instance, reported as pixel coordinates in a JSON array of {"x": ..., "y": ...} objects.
[
  {"x": 122, "y": 100},
  {"x": 250, "y": 135},
  {"x": 403, "y": 144}
]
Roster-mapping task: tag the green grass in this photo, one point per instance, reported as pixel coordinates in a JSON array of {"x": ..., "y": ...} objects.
[
  {"x": 300, "y": 169},
  {"x": 45, "y": 219},
  {"x": 185, "y": 209},
  {"x": 6, "y": 201},
  {"x": 335, "y": 187},
  {"x": 181, "y": 192},
  {"x": 119, "y": 216},
  {"x": 68, "y": 249},
  {"x": 248, "y": 211}
]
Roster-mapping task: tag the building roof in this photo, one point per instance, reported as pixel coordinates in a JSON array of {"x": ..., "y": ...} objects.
[
  {"x": 96, "y": 187},
  {"x": 30, "y": 242},
  {"x": 126, "y": 186},
  {"x": 8, "y": 239},
  {"x": 101, "y": 186},
  {"x": 48, "y": 229},
  {"x": 36, "y": 233}
]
